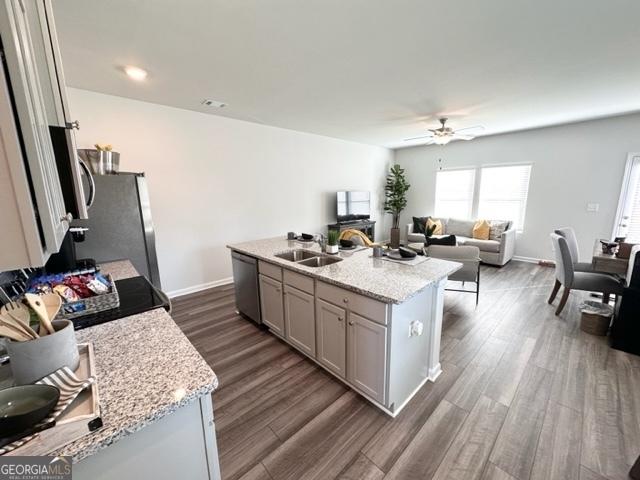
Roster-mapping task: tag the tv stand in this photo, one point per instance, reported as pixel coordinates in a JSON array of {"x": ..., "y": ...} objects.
[{"x": 368, "y": 227}]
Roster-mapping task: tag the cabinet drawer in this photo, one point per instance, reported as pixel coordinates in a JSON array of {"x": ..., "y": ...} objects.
[
  {"x": 270, "y": 270},
  {"x": 365, "y": 306},
  {"x": 299, "y": 281}
]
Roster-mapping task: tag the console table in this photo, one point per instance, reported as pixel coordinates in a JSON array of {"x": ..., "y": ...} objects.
[{"x": 368, "y": 227}]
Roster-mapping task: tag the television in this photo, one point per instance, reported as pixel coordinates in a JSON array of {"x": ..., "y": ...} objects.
[{"x": 353, "y": 206}]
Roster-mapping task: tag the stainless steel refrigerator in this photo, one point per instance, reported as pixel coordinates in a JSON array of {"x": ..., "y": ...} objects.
[{"x": 120, "y": 225}]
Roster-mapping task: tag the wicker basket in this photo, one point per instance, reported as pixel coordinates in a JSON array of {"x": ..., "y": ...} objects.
[
  {"x": 99, "y": 303},
  {"x": 596, "y": 323}
]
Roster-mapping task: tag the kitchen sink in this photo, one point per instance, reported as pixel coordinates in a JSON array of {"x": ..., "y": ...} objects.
[
  {"x": 320, "y": 261},
  {"x": 297, "y": 255}
]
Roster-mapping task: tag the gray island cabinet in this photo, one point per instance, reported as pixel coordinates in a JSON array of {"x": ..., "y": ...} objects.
[{"x": 372, "y": 323}]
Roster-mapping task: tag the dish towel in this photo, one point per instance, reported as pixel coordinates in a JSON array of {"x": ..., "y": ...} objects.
[{"x": 70, "y": 387}]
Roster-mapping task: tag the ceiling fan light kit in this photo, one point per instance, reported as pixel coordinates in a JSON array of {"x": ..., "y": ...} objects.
[{"x": 443, "y": 135}]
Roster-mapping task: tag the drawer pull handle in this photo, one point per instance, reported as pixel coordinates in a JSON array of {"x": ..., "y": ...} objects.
[
  {"x": 340, "y": 319},
  {"x": 351, "y": 322},
  {"x": 345, "y": 300}
]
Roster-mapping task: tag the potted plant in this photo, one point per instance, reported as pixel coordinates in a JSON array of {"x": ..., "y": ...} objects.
[
  {"x": 332, "y": 241},
  {"x": 395, "y": 192}
]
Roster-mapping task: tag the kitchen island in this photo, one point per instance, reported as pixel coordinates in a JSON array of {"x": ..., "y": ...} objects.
[
  {"x": 373, "y": 323},
  {"x": 155, "y": 401}
]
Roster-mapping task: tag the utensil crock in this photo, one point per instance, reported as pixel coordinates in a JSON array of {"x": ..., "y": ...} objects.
[{"x": 34, "y": 359}]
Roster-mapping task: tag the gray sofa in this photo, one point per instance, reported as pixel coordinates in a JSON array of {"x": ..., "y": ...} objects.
[{"x": 497, "y": 251}]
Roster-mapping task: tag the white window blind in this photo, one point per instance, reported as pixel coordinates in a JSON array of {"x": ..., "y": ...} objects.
[
  {"x": 454, "y": 193},
  {"x": 503, "y": 193},
  {"x": 631, "y": 214}
]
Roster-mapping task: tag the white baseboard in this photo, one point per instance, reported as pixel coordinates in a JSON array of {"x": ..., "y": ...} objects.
[
  {"x": 198, "y": 288},
  {"x": 525, "y": 259}
]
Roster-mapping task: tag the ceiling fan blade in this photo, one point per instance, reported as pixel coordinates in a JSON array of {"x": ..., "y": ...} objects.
[
  {"x": 480, "y": 128},
  {"x": 417, "y": 138},
  {"x": 457, "y": 136}
]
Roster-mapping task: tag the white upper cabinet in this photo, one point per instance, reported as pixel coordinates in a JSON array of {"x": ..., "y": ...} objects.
[
  {"x": 30, "y": 182},
  {"x": 56, "y": 104}
]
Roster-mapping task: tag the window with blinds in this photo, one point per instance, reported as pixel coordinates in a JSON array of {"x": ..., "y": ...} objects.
[
  {"x": 454, "y": 193},
  {"x": 503, "y": 193},
  {"x": 629, "y": 223}
]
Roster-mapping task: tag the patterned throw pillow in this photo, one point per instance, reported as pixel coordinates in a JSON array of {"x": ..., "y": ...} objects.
[{"x": 498, "y": 227}]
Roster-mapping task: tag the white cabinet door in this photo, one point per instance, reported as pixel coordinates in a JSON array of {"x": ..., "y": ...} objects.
[
  {"x": 331, "y": 336},
  {"x": 367, "y": 350},
  {"x": 300, "y": 321},
  {"x": 32, "y": 119},
  {"x": 271, "y": 304},
  {"x": 48, "y": 61}
]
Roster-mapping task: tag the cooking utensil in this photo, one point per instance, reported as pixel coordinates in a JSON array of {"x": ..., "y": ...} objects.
[
  {"x": 53, "y": 303},
  {"x": 12, "y": 333},
  {"x": 20, "y": 313},
  {"x": 25, "y": 406},
  {"x": 37, "y": 305},
  {"x": 14, "y": 325}
]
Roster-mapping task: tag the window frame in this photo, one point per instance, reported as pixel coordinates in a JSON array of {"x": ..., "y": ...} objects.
[
  {"x": 624, "y": 190},
  {"x": 477, "y": 169},
  {"x": 474, "y": 187},
  {"x": 476, "y": 210}
]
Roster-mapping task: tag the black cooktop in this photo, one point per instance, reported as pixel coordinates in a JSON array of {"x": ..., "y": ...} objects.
[{"x": 137, "y": 295}]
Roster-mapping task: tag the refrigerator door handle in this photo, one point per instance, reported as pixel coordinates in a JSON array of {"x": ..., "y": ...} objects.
[{"x": 92, "y": 183}]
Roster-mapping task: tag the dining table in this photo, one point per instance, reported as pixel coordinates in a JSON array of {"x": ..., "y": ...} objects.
[{"x": 608, "y": 262}]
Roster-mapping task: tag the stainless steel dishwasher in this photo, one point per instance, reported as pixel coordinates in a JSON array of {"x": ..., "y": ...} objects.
[{"x": 245, "y": 280}]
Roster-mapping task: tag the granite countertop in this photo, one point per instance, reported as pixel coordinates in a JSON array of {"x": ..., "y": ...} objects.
[
  {"x": 389, "y": 282},
  {"x": 119, "y": 269},
  {"x": 146, "y": 369}
]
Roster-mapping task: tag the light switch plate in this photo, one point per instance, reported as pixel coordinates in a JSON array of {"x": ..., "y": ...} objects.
[{"x": 593, "y": 207}]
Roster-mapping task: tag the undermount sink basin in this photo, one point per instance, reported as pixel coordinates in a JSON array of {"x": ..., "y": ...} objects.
[
  {"x": 297, "y": 255},
  {"x": 320, "y": 261}
]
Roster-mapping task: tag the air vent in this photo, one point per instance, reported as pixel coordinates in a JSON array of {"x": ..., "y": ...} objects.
[{"x": 213, "y": 103}]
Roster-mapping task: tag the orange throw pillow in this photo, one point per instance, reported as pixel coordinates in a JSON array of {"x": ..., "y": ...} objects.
[
  {"x": 431, "y": 222},
  {"x": 481, "y": 230}
]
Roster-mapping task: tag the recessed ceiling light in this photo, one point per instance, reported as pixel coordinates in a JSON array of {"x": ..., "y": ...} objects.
[
  {"x": 213, "y": 103},
  {"x": 135, "y": 73}
]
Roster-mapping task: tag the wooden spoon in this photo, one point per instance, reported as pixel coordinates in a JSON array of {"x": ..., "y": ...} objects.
[
  {"x": 53, "y": 304},
  {"x": 37, "y": 305},
  {"x": 21, "y": 314},
  {"x": 12, "y": 334},
  {"x": 14, "y": 325}
]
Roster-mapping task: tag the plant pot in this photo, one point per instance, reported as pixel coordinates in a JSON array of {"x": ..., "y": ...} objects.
[
  {"x": 333, "y": 249},
  {"x": 34, "y": 359},
  {"x": 395, "y": 238}
]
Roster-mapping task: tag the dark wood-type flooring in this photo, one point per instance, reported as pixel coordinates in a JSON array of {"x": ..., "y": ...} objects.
[{"x": 523, "y": 395}]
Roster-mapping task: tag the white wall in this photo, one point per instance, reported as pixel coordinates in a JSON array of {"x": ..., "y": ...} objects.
[
  {"x": 573, "y": 165},
  {"x": 215, "y": 181}
]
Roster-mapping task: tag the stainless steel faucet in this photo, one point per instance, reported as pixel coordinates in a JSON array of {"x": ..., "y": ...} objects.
[{"x": 322, "y": 241}]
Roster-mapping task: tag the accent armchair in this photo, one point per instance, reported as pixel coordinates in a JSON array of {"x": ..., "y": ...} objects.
[{"x": 468, "y": 256}]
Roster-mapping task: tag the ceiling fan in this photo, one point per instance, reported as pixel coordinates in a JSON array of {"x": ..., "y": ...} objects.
[{"x": 444, "y": 134}]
